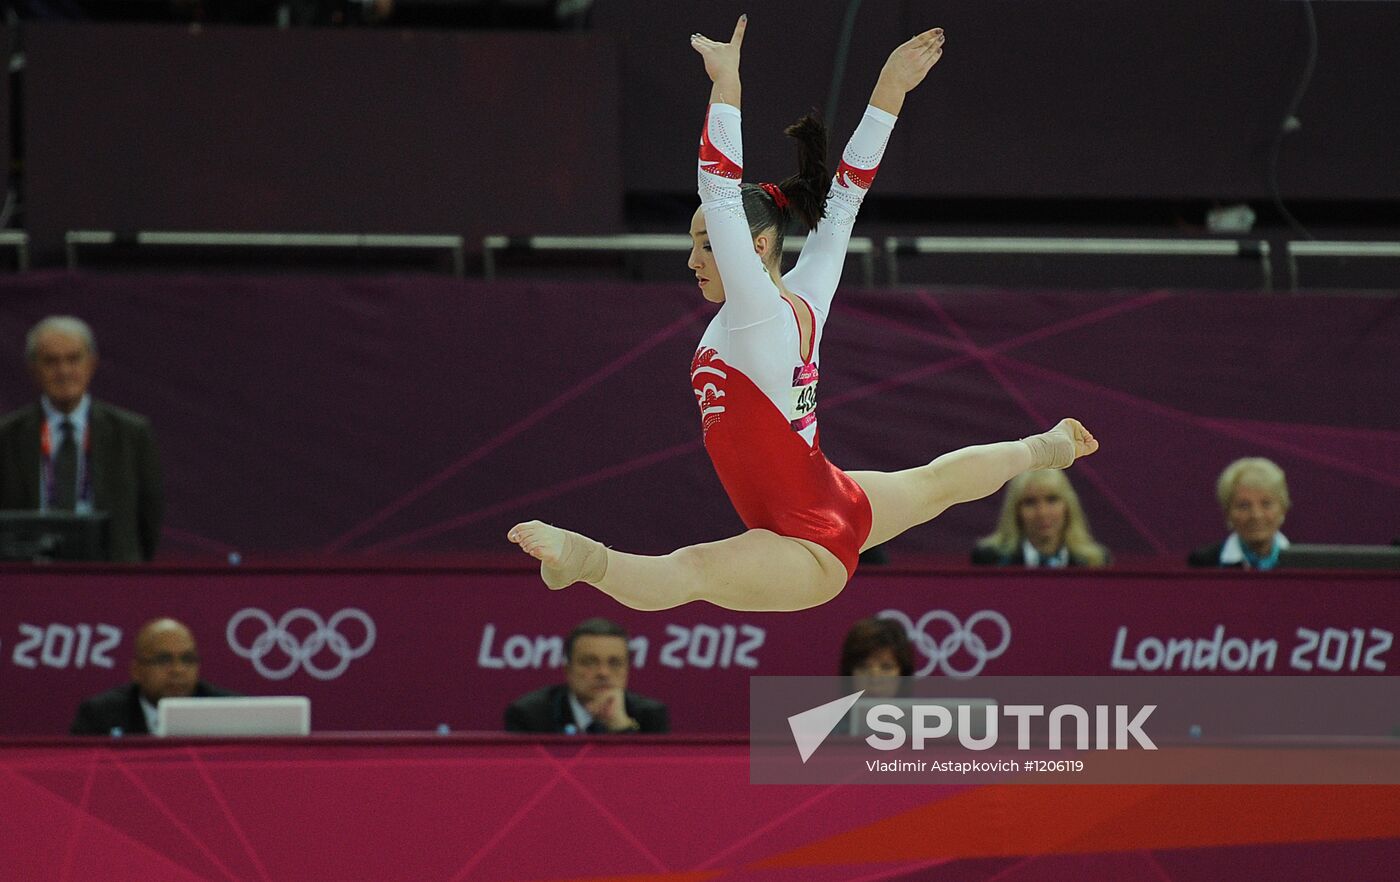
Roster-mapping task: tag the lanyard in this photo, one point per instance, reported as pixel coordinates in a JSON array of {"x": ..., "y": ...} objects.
[{"x": 48, "y": 487}]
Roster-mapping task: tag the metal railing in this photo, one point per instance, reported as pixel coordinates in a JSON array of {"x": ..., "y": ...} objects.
[
  {"x": 861, "y": 247},
  {"x": 453, "y": 244},
  {"x": 1248, "y": 249},
  {"x": 1297, "y": 249},
  {"x": 19, "y": 241}
]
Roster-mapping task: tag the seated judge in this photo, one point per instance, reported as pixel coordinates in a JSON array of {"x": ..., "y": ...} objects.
[
  {"x": 166, "y": 665},
  {"x": 1042, "y": 524},
  {"x": 1254, "y": 497},
  {"x": 593, "y": 699},
  {"x": 70, "y": 452},
  {"x": 874, "y": 655}
]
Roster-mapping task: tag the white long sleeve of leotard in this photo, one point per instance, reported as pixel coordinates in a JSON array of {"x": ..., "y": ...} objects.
[
  {"x": 819, "y": 266},
  {"x": 750, "y": 296},
  {"x": 756, "y": 332},
  {"x": 818, "y": 269}
]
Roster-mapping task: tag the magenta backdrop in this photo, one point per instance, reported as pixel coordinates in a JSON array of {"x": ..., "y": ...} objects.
[
  {"x": 403, "y": 417},
  {"x": 456, "y": 646}
]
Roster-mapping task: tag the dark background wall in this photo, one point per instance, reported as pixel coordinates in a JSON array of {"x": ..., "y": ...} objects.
[
  {"x": 1102, "y": 113},
  {"x": 134, "y": 127},
  {"x": 1039, "y": 98}
]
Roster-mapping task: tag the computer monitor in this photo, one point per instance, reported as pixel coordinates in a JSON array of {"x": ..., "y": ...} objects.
[
  {"x": 52, "y": 535},
  {"x": 1340, "y": 557},
  {"x": 242, "y": 715}
]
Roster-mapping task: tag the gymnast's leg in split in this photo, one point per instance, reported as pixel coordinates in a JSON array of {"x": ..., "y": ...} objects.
[
  {"x": 755, "y": 374},
  {"x": 760, "y": 570}
]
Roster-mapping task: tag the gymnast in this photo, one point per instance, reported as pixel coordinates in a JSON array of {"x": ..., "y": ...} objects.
[{"x": 755, "y": 378}]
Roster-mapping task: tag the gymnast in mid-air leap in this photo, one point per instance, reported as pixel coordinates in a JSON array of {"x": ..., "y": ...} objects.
[{"x": 755, "y": 377}]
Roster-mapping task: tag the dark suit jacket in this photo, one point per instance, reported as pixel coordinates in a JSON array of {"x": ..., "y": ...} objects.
[
  {"x": 547, "y": 710},
  {"x": 120, "y": 708},
  {"x": 126, "y": 482},
  {"x": 1209, "y": 556},
  {"x": 985, "y": 554}
]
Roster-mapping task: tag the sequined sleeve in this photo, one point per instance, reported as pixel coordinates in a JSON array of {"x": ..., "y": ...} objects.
[
  {"x": 818, "y": 269},
  {"x": 750, "y": 295}
]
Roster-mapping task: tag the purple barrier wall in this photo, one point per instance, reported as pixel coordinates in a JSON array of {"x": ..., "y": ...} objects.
[
  {"x": 422, "y": 416},
  {"x": 321, "y": 130},
  {"x": 423, "y": 648}
]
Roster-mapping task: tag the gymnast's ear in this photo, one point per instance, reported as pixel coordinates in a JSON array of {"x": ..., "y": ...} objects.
[{"x": 763, "y": 244}]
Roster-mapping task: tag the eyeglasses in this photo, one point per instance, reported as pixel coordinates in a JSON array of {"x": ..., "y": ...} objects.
[
  {"x": 169, "y": 659},
  {"x": 590, "y": 662}
]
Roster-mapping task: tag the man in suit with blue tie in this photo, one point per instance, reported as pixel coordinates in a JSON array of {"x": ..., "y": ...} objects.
[
  {"x": 594, "y": 700},
  {"x": 70, "y": 452}
]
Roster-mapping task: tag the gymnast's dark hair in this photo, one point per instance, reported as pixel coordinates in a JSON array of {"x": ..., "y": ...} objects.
[{"x": 805, "y": 191}]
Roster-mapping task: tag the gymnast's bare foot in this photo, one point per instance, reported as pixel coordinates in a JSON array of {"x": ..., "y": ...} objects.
[
  {"x": 565, "y": 557},
  {"x": 1061, "y": 446}
]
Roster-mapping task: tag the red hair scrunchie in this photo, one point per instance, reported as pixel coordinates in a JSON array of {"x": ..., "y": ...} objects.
[{"x": 779, "y": 197}]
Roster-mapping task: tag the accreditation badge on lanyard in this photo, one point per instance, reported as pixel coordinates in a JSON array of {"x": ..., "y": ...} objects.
[
  {"x": 804, "y": 396},
  {"x": 48, "y": 487}
]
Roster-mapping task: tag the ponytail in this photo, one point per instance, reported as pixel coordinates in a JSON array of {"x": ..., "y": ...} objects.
[
  {"x": 806, "y": 191},
  {"x": 802, "y": 196}
]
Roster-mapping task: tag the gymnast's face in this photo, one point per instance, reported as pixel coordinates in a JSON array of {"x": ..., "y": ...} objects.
[{"x": 702, "y": 260}]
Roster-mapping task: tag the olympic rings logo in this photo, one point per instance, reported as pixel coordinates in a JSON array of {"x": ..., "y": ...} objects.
[
  {"x": 961, "y": 638},
  {"x": 300, "y": 651}
]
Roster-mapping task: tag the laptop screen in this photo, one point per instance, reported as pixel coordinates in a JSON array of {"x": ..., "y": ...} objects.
[
  {"x": 1341, "y": 557},
  {"x": 250, "y": 715}
]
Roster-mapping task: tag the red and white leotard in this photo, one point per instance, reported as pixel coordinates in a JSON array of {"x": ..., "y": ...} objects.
[{"x": 756, "y": 389}]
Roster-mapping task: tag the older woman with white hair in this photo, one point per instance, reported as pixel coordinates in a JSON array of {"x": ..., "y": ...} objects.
[
  {"x": 1042, "y": 524},
  {"x": 1254, "y": 497}
]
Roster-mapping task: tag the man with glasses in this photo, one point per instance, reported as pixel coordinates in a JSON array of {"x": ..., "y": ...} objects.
[
  {"x": 166, "y": 666},
  {"x": 594, "y": 699}
]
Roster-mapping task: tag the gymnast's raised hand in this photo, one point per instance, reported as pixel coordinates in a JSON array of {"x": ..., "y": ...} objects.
[{"x": 756, "y": 371}]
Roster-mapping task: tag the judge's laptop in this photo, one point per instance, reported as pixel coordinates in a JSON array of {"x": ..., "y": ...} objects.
[
  {"x": 1341, "y": 557},
  {"x": 250, "y": 715}
]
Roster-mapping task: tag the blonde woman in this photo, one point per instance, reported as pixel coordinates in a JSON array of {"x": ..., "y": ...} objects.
[
  {"x": 1042, "y": 524},
  {"x": 1254, "y": 497}
]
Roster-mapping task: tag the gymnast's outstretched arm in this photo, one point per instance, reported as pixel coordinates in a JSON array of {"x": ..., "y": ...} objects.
[
  {"x": 750, "y": 297},
  {"x": 819, "y": 267}
]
